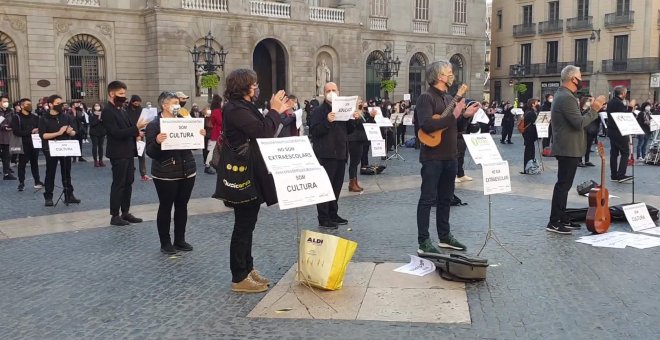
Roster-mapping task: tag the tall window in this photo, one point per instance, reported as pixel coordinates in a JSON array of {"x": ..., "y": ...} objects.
[
  {"x": 622, "y": 7},
  {"x": 457, "y": 65},
  {"x": 312, "y": 3},
  {"x": 583, "y": 9},
  {"x": 620, "y": 48},
  {"x": 416, "y": 76},
  {"x": 499, "y": 19},
  {"x": 373, "y": 81},
  {"x": 8, "y": 67},
  {"x": 421, "y": 9},
  {"x": 527, "y": 15},
  {"x": 498, "y": 57},
  {"x": 84, "y": 59},
  {"x": 460, "y": 11},
  {"x": 379, "y": 8},
  {"x": 581, "y": 46},
  {"x": 552, "y": 55},
  {"x": 553, "y": 11},
  {"x": 497, "y": 96},
  {"x": 526, "y": 54}
]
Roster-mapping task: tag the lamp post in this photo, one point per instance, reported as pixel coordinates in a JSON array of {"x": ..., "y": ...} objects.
[
  {"x": 518, "y": 74},
  {"x": 208, "y": 65},
  {"x": 387, "y": 67}
]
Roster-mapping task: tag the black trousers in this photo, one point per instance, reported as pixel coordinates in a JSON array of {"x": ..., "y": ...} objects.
[
  {"x": 205, "y": 151},
  {"x": 400, "y": 134},
  {"x": 173, "y": 193},
  {"x": 591, "y": 139},
  {"x": 97, "y": 147},
  {"x": 142, "y": 162},
  {"x": 335, "y": 168},
  {"x": 241, "y": 262},
  {"x": 567, "y": 166},
  {"x": 355, "y": 150},
  {"x": 438, "y": 183},
  {"x": 507, "y": 131},
  {"x": 6, "y": 159},
  {"x": 31, "y": 155},
  {"x": 461, "y": 147},
  {"x": 529, "y": 152},
  {"x": 123, "y": 175},
  {"x": 546, "y": 141},
  {"x": 618, "y": 147},
  {"x": 365, "y": 154},
  {"x": 65, "y": 171}
]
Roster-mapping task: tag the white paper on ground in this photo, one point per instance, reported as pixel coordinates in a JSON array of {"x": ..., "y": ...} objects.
[
  {"x": 417, "y": 266},
  {"x": 651, "y": 231},
  {"x": 620, "y": 240}
]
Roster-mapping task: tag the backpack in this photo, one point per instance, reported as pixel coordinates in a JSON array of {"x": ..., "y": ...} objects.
[
  {"x": 410, "y": 143},
  {"x": 532, "y": 167},
  {"x": 521, "y": 125}
]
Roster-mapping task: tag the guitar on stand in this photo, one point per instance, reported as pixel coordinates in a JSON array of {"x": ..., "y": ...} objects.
[
  {"x": 598, "y": 214},
  {"x": 434, "y": 138}
]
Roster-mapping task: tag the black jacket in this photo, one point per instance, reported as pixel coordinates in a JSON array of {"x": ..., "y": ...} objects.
[
  {"x": 95, "y": 125},
  {"x": 614, "y": 105},
  {"x": 330, "y": 138},
  {"x": 49, "y": 124},
  {"x": 121, "y": 133},
  {"x": 530, "y": 135},
  {"x": 431, "y": 102},
  {"x": 167, "y": 164},
  {"x": 358, "y": 134},
  {"x": 134, "y": 113},
  {"x": 23, "y": 125}
]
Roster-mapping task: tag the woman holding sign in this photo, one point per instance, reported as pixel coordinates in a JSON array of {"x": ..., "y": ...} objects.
[{"x": 173, "y": 172}]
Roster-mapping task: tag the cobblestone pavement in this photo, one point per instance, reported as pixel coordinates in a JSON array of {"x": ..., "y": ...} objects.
[{"x": 113, "y": 283}]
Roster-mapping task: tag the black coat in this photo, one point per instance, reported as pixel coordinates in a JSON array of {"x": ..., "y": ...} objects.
[
  {"x": 330, "y": 139},
  {"x": 530, "y": 135},
  {"x": 121, "y": 133},
  {"x": 22, "y": 126},
  {"x": 49, "y": 124},
  {"x": 95, "y": 125},
  {"x": 358, "y": 134},
  {"x": 241, "y": 122},
  {"x": 167, "y": 164},
  {"x": 614, "y": 105}
]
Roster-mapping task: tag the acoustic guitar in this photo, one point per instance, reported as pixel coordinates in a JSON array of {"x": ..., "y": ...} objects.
[
  {"x": 598, "y": 214},
  {"x": 434, "y": 138}
]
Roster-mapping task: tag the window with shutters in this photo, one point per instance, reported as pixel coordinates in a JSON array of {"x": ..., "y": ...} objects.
[
  {"x": 422, "y": 10},
  {"x": 379, "y": 8},
  {"x": 460, "y": 11},
  {"x": 84, "y": 58}
]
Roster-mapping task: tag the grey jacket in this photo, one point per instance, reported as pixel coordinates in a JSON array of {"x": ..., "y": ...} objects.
[
  {"x": 568, "y": 123},
  {"x": 5, "y": 133}
]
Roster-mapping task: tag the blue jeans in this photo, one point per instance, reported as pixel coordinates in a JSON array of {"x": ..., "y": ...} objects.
[
  {"x": 642, "y": 143},
  {"x": 437, "y": 191}
]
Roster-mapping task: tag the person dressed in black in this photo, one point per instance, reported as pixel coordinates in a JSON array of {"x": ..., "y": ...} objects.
[
  {"x": 78, "y": 123},
  {"x": 121, "y": 150},
  {"x": 242, "y": 123},
  {"x": 174, "y": 173},
  {"x": 356, "y": 141},
  {"x": 330, "y": 147},
  {"x": 134, "y": 111},
  {"x": 619, "y": 144},
  {"x": 5, "y": 137},
  {"x": 439, "y": 163},
  {"x": 530, "y": 135},
  {"x": 24, "y": 125},
  {"x": 508, "y": 121},
  {"x": 56, "y": 125},
  {"x": 97, "y": 134},
  {"x": 591, "y": 130},
  {"x": 547, "y": 106}
]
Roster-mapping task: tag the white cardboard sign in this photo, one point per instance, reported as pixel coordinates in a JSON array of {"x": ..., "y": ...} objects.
[
  {"x": 140, "y": 147},
  {"x": 343, "y": 107},
  {"x": 408, "y": 120},
  {"x": 482, "y": 148},
  {"x": 498, "y": 119},
  {"x": 148, "y": 114},
  {"x": 299, "y": 118},
  {"x": 287, "y": 153},
  {"x": 299, "y": 187},
  {"x": 379, "y": 118},
  {"x": 543, "y": 117},
  {"x": 638, "y": 216},
  {"x": 517, "y": 111},
  {"x": 36, "y": 141},
  {"x": 480, "y": 117},
  {"x": 182, "y": 133},
  {"x": 406, "y": 96},
  {"x": 378, "y": 148},
  {"x": 64, "y": 148},
  {"x": 627, "y": 123},
  {"x": 373, "y": 131},
  {"x": 496, "y": 178},
  {"x": 543, "y": 130}
]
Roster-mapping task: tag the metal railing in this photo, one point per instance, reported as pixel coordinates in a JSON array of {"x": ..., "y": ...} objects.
[
  {"x": 8, "y": 74},
  {"x": 459, "y": 29},
  {"x": 580, "y": 24},
  {"x": 325, "y": 14},
  {"x": 270, "y": 9},
  {"x": 378, "y": 24},
  {"x": 524, "y": 30},
  {"x": 619, "y": 19},
  {"x": 420, "y": 26},
  {"x": 548, "y": 27},
  {"x": 542, "y": 69},
  {"x": 205, "y": 5},
  {"x": 90, "y": 3},
  {"x": 631, "y": 65}
]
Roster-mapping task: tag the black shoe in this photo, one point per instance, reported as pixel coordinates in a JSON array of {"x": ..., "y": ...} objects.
[
  {"x": 118, "y": 221},
  {"x": 589, "y": 164},
  {"x": 572, "y": 225},
  {"x": 80, "y": 159},
  {"x": 9, "y": 177},
  {"x": 68, "y": 199},
  {"x": 130, "y": 218},
  {"x": 21, "y": 186},
  {"x": 558, "y": 228},
  {"x": 38, "y": 185},
  {"x": 49, "y": 202},
  {"x": 614, "y": 179},
  {"x": 340, "y": 221},
  {"x": 328, "y": 225},
  {"x": 209, "y": 170},
  {"x": 581, "y": 165},
  {"x": 625, "y": 178},
  {"x": 183, "y": 246},
  {"x": 503, "y": 142},
  {"x": 167, "y": 249},
  {"x": 509, "y": 142}
]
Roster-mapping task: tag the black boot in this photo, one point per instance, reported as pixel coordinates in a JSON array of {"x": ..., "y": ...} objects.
[{"x": 70, "y": 198}]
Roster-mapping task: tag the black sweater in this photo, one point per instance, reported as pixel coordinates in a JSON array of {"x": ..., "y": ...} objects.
[
  {"x": 433, "y": 102},
  {"x": 49, "y": 124},
  {"x": 22, "y": 126}
]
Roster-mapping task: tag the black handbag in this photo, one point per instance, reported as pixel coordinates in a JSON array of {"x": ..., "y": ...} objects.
[
  {"x": 585, "y": 187},
  {"x": 235, "y": 184}
]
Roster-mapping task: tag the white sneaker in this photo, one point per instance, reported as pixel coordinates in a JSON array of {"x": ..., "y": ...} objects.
[
  {"x": 465, "y": 178},
  {"x": 641, "y": 159},
  {"x": 457, "y": 180}
]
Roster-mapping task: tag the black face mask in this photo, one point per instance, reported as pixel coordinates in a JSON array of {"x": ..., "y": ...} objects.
[
  {"x": 119, "y": 101},
  {"x": 578, "y": 85},
  {"x": 182, "y": 104},
  {"x": 27, "y": 108},
  {"x": 59, "y": 108}
]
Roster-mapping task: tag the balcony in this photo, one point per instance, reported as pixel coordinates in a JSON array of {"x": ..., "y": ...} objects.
[
  {"x": 461, "y": 29},
  {"x": 270, "y": 9},
  {"x": 580, "y": 24},
  {"x": 420, "y": 26},
  {"x": 620, "y": 19},
  {"x": 524, "y": 30},
  {"x": 551, "y": 69},
  {"x": 550, "y": 27},
  {"x": 88, "y": 3},
  {"x": 378, "y": 24},
  {"x": 325, "y": 14},
  {"x": 631, "y": 65},
  {"x": 205, "y": 5}
]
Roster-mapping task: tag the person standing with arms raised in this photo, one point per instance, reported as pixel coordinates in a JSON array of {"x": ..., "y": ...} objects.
[
  {"x": 121, "y": 150},
  {"x": 569, "y": 143}
]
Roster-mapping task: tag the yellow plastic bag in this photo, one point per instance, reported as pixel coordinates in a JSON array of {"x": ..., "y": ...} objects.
[{"x": 323, "y": 258}]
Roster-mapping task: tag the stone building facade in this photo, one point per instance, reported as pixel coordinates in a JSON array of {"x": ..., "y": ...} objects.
[{"x": 75, "y": 47}]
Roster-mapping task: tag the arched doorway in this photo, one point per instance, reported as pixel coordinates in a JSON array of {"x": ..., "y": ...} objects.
[
  {"x": 8, "y": 67},
  {"x": 84, "y": 62},
  {"x": 417, "y": 76},
  {"x": 372, "y": 78},
  {"x": 270, "y": 63},
  {"x": 457, "y": 65}
]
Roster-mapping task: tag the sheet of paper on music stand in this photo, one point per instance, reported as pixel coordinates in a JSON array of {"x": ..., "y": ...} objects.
[
  {"x": 496, "y": 178},
  {"x": 378, "y": 148},
  {"x": 140, "y": 147},
  {"x": 36, "y": 141},
  {"x": 148, "y": 114},
  {"x": 64, "y": 148},
  {"x": 408, "y": 120},
  {"x": 417, "y": 266},
  {"x": 627, "y": 123},
  {"x": 300, "y": 187},
  {"x": 498, "y": 119},
  {"x": 406, "y": 96},
  {"x": 287, "y": 152},
  {"x": 373, "y": 131},
  {"x": 343, "y": 107},
  {"x": 395, "y": 118},
  {"x": 517, "y": 111},
  {"x": 299, "y": 118},
  {"x": 182, "y": 133},
  {"x": 655, "y": 122},
  {"x": 380, "y": 119},
  {"x": 638, "y": 216},
  {"x": 543, "y": 117},
  {"x": 480, "y": 117},
  {"x": 482, "y": 148},
  {"x": 543, "y": 129}
]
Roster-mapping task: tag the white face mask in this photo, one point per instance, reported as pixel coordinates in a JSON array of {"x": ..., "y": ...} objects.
[
  {"x": 96, "y": 108},
  {"x": 625, "y": 102},
  {"x": 550, "y": 100},
  {"x": 586, "y": 106},
  {"x": 389, "y": 107},
  {"x": 330, "y": 96},
  {"x": 174, "y": 109},
  {"x": 5, "y": 105},
  {"x": 148, "y": 106},
  {"x": 647, "y": 109}
]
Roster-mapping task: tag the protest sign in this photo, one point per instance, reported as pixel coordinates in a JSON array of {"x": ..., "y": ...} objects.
[
  {"x": 655, "y": 122},
  {"x": 148, "y": 114},
  {"x": 638, "y": 216},
  {"x": 482, "y": 148},
  {"x": 408, "y": 120},
  {"x": 373, "y": 131},
  {"x": 299, "y": 187},
  {"x": 627, "y": 123},
  {"x": 182, "y": 133},
  {"x": 64, "y": 148},
  {"x": 343, "y": 107},
  {"x": 36, "y": 141},
  {"x": 287, "y": 152},
  {"x": 498, "y": 119},
  {"x": 543, "y": 130},
  {"x": 517, "y": 111},
  {"x": 480, "y": 117},
  {"x": 299, "y": 118},
  {"x": 496, "y": 178},
  {"x": 543, "y": 117},
  {"x": 406, "y": 96},
  {"x": 378, "y": 148}
]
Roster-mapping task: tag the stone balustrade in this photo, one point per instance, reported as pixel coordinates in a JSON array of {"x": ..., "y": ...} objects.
[
  {"x": 270, "y": 9},
  {"x": 325, "y": 14},
  {"x": 205, "y": 5}
]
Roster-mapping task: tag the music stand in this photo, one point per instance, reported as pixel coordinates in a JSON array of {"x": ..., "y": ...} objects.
[
  {"x": 396, "y": 154},
  {"x": 490, "y": 235}
]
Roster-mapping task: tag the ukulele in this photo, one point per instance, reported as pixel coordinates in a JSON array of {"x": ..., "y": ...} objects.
[
  {"x": 434, "y": 138},
  {"x": 598, "y": 214}
]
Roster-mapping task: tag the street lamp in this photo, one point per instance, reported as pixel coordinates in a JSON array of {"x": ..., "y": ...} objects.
[
  {"x": 517, "y": 74},
  {"x": 387, "y": 67},
  {"x": 208, "y": 66}
]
